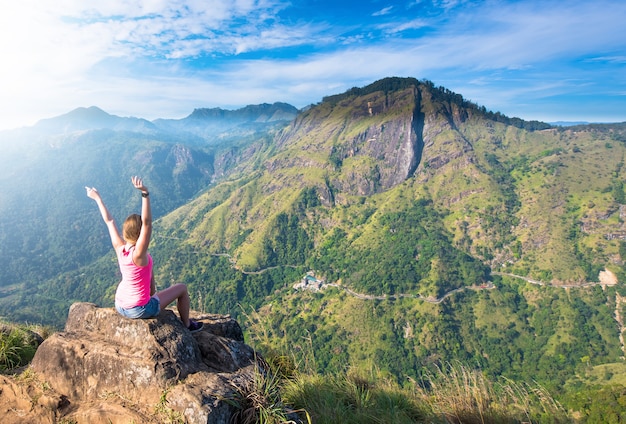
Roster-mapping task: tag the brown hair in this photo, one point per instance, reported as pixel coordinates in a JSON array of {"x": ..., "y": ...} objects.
[{"x": 132, "y": 228}]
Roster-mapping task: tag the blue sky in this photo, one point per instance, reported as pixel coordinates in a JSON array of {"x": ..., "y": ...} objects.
[{"x": 545, "y": 60}]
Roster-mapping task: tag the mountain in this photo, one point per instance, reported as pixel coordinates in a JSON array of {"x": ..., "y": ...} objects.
[
  {"x": 491, "y": 184},
  {"x": 568, "y": 123},
  {"x": 441, "y": 232},
  {"x": 251, "y": 113},
  {"x": 233, "y": 123},
  {"x": 418, "y": 228},
  {"x": 92, "y": 118},
  {"x": 47, "y": 224}
]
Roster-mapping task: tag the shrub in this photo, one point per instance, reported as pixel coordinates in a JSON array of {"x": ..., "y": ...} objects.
[
  {"x": 17, "y": 347},
  {"x": 258, "y": 400}
]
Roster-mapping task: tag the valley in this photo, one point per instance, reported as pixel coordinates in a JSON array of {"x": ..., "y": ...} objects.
[{"x": 443, "y": 231}]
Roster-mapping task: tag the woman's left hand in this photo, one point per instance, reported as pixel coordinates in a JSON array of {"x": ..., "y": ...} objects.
[
  {"x": 138, "y": 183},
  {"x": 92, "y": 193}
]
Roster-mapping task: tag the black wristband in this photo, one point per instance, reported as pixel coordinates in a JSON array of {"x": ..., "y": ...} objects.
[{"x": 146, "y": 194}]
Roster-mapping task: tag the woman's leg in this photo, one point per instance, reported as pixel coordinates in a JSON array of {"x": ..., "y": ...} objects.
[{"x": 179, "y": 293}]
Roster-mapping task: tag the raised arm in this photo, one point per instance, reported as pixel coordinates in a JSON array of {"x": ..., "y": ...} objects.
[
  {"x": 140, "y": 256},
  {"x": 116, "y": 239}
]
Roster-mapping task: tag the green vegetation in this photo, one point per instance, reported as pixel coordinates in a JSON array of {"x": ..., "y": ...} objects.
[
  {"x": 450, "y": 394},
  {"x": 259, "y": 400},
  {"x": 348, "y": 398},
  {"x": 18, "y": 344},
  {"x": 461, "y": 394},
  {"x": 514, "y": 331},
  {"x": 165, "y": 414},
  {"x": 420, "y": 256},
  {"x": 442, "y": 393},
  {"x": 599, "y": 405}
]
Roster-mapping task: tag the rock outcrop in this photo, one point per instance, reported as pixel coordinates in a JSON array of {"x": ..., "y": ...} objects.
[{"x": 106, "y": 368}]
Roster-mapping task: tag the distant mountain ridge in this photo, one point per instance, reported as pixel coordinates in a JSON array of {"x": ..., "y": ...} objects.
[
  {"x": 264, "y": 112},
  {"x": 92, "y": 118},
  {"x": 568, "y": 123},
  {"x": 370, "y": 141},
  {"x": 205, "y": 122},
  {"x": 364, "y": 142}
]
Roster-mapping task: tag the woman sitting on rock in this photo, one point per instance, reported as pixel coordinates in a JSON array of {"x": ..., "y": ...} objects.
[{"x": 135, "y": 296}]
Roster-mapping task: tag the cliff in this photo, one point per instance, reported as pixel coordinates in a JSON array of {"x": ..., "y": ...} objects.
[{"x": 104, "y": 368}]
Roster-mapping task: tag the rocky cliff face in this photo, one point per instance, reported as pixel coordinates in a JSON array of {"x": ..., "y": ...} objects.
[
  {"x": 105, "y": 368},
  {"x": 370, "y": 143}
]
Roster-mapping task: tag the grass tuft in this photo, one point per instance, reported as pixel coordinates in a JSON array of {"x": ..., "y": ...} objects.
[
  {"x": 459, "y": 394},
  {"x": 350, "y": 399},
  {"x": 166, "y": 414},
  {"x": 17, "y": 347},
  {"x": 259, "y": 400}
]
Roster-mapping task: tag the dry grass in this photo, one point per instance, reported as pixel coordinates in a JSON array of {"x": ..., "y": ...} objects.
[{"x": 459, "y": 394}]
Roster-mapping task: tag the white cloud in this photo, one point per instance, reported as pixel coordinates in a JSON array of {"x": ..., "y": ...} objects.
[
  {"x": 132, "y": 57},
  {"x": 609, "y": 59},
  {"x": 384, "y": 11},
  {"x": 398, "y": 27}
]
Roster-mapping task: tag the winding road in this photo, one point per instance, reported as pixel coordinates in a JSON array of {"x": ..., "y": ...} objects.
[{"x": 429, "y": 299}]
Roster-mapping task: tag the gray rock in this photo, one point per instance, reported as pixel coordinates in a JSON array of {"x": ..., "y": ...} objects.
[{"x": 147, "y": 362}]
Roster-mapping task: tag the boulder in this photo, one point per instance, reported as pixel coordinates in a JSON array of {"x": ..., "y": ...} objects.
[
  {"x": 24, "y": 402},
  {"x": 148, "y": 364}
]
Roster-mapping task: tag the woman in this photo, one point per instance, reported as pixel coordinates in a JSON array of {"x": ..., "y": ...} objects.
[{"x": 135, "y": 296}]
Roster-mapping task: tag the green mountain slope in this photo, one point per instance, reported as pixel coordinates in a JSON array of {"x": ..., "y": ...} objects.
[
  {"x": 403, "y": 196},
  {"x": 540, "y": 203}
]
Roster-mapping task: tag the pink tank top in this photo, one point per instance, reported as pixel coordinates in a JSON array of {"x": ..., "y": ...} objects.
[{"x": 134, "y": 289}]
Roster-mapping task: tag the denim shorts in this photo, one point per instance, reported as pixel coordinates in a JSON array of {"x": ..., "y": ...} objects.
[{"x": 149, "y": 310}]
